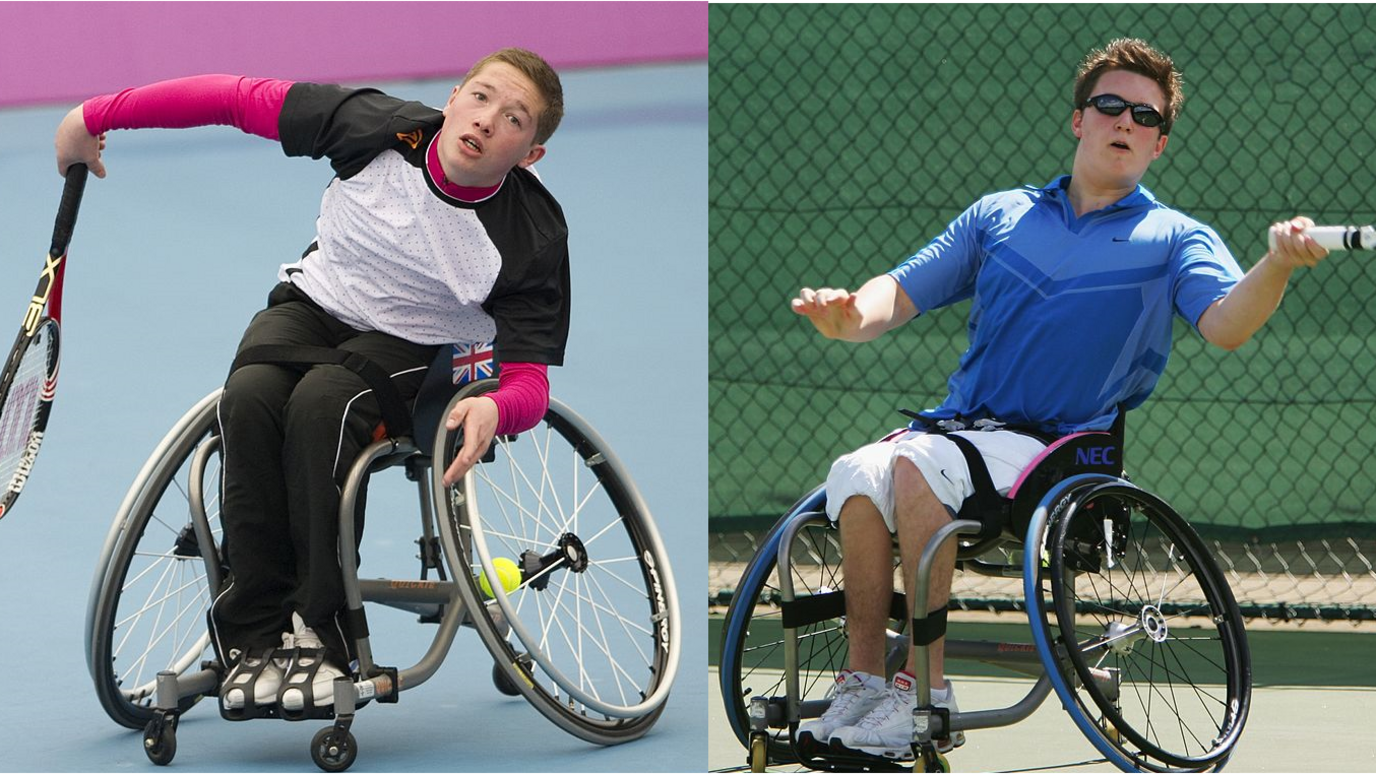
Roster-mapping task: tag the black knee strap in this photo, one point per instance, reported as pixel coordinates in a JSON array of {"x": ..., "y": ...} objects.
[
  {"x": 930, "y": 629},
  {"x": 396, "y": 417}
]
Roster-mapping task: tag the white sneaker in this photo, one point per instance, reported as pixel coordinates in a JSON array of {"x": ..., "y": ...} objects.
[
  {"x": 853, "y": 695},
  {"x": 887, "y": 731},
  {"x": 322, "y": 687},
  {"x": 264, "y": 688}
]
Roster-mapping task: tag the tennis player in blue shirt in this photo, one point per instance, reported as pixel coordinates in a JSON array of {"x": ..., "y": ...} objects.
[{"x": 1074, "y": 287}]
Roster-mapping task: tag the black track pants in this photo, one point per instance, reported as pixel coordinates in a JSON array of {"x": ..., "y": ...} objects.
[{"x": 290, "y": 435}]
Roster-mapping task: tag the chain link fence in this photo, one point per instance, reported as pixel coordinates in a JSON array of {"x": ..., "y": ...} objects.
[{"x": 844, "y": 137}]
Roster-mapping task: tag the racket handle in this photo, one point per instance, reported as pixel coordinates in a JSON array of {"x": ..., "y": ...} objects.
[
  {"x": 1339, "y": 237},
  {"x": 66, "y": 211}
]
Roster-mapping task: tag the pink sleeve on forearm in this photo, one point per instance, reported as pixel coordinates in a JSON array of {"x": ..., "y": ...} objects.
[
  {"x": 251, "y": 104},
  {"x": 522, "y": 395}
]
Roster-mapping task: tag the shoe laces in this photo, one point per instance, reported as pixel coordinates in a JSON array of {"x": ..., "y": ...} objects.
[
  {"x": 897, "y": 701},
  {"x": 843, "y": 695}
]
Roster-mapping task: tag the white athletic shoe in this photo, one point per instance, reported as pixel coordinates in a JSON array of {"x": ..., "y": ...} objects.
[
  {"x": 887, "y": 731},
  {"x": 853, "y": 695},
  {"x": 322, "y": 687},
  {"x": 264, "y": 689}
]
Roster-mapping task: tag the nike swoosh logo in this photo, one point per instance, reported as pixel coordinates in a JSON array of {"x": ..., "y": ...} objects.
[{"x": 943, "y": 475}]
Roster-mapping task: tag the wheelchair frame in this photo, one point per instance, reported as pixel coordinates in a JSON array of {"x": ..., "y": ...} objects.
[
  {"x": 450, "y": 602},
  {"x": 1046, "y": 659}
]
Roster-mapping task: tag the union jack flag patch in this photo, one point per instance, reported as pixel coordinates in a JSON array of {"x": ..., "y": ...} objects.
[{"x": 472, "y": 362}]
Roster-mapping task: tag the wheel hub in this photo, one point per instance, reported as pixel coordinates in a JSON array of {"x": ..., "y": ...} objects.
[
  {"x": 575, "y": 554},
  {"x": 1153, "y": 623}
]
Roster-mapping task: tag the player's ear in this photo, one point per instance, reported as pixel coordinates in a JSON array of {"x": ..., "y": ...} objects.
[
  {"x": 1077, "y": 118},
  {"x": 536, "y": 153},
  {"x": 1160, "y": 146}
]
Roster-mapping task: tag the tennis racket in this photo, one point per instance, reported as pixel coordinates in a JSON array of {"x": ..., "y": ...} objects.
[
  {"x": 1339, "y": 237},
  {"x": 29, "y": 380}
]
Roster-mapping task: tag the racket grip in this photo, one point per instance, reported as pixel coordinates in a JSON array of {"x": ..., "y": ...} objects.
[
  {"x": 1339, "y": 237},
  {"x": 66, "y": 211}
]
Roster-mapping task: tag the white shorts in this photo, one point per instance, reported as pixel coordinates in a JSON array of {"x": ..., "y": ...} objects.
[{"x": 868, "y": 471}]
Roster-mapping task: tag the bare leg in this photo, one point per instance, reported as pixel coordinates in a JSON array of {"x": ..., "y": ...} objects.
[
  {"x": 867, "y": 565},
  {"x": 918, "y": 514}
]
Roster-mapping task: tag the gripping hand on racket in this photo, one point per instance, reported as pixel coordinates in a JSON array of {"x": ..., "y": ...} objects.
[
  {"x": 1291, "y": 247},
  {"x": 876, "y": 308},
  {"x": 76, "y": 145}
]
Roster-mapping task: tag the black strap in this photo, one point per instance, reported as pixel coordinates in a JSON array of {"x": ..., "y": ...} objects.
[
  {"x": 396, "y": 417},
  {"x": 930, "y": 629},
  {"x": 986, "y": 501},
  {"x": 816, "y": 608}
]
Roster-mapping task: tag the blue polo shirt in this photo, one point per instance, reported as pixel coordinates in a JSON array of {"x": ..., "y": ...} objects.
[{"x": 1071, "y": 315}]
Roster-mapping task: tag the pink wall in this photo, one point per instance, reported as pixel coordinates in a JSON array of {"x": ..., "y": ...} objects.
[{"x": 65, "y": 52}]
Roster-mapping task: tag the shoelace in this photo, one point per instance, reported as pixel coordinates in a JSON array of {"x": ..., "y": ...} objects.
[
  {"x": 841, "y": 702},
  {"x": 895, "y": 703}
]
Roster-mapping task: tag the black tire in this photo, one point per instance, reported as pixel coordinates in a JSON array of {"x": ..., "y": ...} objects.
[
  {"x": 334, "y": 750},
  {"x": 160, "y": 742},
  {"x": 1154, "y": 638},
  {"x": 148, "y": 603},
  {"x": 606, "y": 587}
]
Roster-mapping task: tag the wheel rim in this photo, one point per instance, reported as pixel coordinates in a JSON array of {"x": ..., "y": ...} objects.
[
  {"x": 155, "y": 621},
  {"x": 1157, "y": 644},
  {"x": 596, "y": 610}
]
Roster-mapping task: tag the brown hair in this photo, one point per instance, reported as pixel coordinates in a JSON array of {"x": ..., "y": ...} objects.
[
  {"x": 546, "y": 83},
  {"x": 1134, "y": 56}
]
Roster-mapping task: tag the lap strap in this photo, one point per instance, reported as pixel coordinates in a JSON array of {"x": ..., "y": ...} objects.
[{"x": 396, "y": 417}]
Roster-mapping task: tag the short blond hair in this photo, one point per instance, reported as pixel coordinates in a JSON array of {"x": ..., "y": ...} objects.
[
  {"x": 1134, "y": 56},
  {"x": 546, "y": 81}
]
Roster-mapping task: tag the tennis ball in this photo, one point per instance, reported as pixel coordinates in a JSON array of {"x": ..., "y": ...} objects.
[{"x": 507, "y": 572}]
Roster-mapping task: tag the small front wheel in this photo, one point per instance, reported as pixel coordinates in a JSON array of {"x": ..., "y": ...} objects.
[
  {"x": 933, "y": 761},
  {"x": 759, "y": 751},
  {"x": 333, "y": 749},
  {"x": 160, "y": 741}
]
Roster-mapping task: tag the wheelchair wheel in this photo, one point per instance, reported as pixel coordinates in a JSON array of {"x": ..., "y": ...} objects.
[
  {"x": 752, "y": 645},
  {"x": 594, "y": 619},
  {"x": 1154, "y": 661},
  {"x": 153, "y": 586}
]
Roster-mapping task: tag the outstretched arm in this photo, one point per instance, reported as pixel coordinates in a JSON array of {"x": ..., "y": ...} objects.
[
  {"x": 250, "y": 104},
  {"x": 879, "y": 306},
  {"x": 1230, "y": 322}
]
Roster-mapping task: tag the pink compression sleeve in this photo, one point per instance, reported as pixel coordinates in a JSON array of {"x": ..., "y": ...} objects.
[
  {"x": 522, "y": 395},
  {"x": 251, "y": 104}
]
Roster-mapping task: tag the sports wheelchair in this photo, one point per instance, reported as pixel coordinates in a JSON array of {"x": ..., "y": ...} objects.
[
  {"x": 590, "y": 636},
  {"x": 1132, "y": 623}
]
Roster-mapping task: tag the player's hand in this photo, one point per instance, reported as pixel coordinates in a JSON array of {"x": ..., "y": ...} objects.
[
  {"x": 831, "y": 310},
  {"x": 75, "y": 145},
  {"x": 478, "y": 417},
  {"x": 1293, "y": 249}
]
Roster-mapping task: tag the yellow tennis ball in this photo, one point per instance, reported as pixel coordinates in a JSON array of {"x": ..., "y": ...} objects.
[{"x": 507, "y": 572}]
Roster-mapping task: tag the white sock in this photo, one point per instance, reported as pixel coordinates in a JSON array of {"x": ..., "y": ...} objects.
[
  {"x": 942, "y": 695},
  {"x": 872, "y": 681}
]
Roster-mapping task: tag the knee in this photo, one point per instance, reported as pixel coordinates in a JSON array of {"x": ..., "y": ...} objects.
[{"x": 909, "y": 482}]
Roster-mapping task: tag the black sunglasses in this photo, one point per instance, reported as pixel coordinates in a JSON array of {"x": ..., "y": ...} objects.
[{"x": 1112, "y": 105}]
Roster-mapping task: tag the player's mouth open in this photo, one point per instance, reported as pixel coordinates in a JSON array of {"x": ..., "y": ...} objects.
[
  {"x": 470, "y": 144},
  {"x": 1120, "y": 145}
]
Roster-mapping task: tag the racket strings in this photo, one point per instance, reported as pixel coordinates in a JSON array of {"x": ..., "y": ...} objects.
[{"x": 19, "y": 414}]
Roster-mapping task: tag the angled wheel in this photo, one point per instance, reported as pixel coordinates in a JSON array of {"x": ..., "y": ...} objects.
[
  {"x": 1153, "y": 658},
  {"x": 588, "y": 627},
  {"x": 153, "y": 584}
]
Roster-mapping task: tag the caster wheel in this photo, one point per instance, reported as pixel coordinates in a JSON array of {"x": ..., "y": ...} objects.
[
  {"x": 933, "y": 761},
  {"x": 333, "y": 750},
  {"x": 502, "y": 680},
  {"x": 1111, "y": 731},
  {"x": 759, "y": 752},
  {"x": 160, "y": 741}
]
